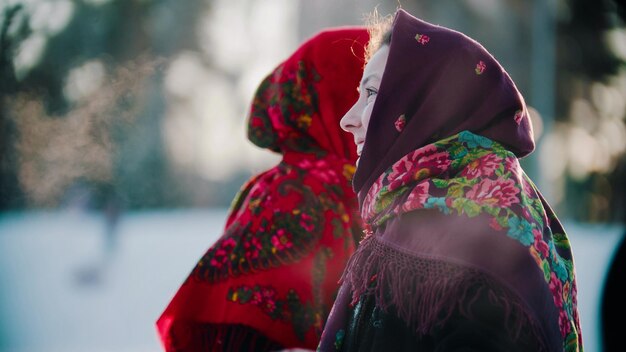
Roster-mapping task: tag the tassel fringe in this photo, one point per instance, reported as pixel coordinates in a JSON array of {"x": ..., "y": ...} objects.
[{"x": 425, "y": 292}]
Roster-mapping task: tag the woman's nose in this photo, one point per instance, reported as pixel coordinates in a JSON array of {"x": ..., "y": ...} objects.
[{"x": 350, "y": 120}]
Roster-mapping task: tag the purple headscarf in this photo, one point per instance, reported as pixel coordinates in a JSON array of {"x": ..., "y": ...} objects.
[{"x": 439, "y": 96}]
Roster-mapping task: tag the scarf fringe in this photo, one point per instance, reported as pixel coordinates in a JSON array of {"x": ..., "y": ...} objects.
[{"x": 425, "y": 292}]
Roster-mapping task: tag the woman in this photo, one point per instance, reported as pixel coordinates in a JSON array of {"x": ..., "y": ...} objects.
[
  {"x": 270, "y": 280},
  {"x": 462, "y": 252}
]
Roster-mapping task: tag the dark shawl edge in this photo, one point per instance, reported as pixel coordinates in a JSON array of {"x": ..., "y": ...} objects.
[{"x": 425, "y": 292}]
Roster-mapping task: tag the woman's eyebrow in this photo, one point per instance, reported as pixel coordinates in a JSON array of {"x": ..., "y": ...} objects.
[{"x": 367, "y": 79}]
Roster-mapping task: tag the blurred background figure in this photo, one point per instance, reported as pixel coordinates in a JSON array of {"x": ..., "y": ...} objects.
[
  {"x": 148, "y": 96},
  {"x": 82, "y": 198}
]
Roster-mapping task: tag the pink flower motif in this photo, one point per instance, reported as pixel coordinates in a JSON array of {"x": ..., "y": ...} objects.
[
  {"x": 494, "y": 224},
  {"x": 304, "y": 163},
  {"x": 269, "y": 305},
  {"x": 422, "y": 38},
  {"x": 306, "y": 222},
  {"x": 282, "y": 240},
  {"x": 485, "y": 166},
  {"x": 220, "y": 258},
  {"x": 417, "y": 165},
  {"x": 502, "y": 193},
  {"x": 256, "y": 122},
  {"x": 435, "y": 163},
  {"x": 400, "y": 123},
  {"x": 229, "y": 244},
  {"x": 480, "y": 68},
  {"x": 426, "y": 150},
  {"x": 540, "y": 245},
  {"x": 326, "y": 175},
  {"x": 519, "y": 114},
  {"x": 369, "y": 204},
  {"x": 564, "y": 323},
  {"x": 252, "y": 248},
  {"x": 557, "y": 291},
  {"x": 269, "y": 293},
  {"x": 400, "y": 173},
  {"x": 275, "y": 114},
  {"x": 417, "y": 197},
  {"x": 268, "y": 299},
  {"x": 257, "y": 298},
  {"x": 320, "y": 170},
  {"x": 512, "y": 164},
  {"x": 556, "y": 287},
  {"x": 376, "y": 186},
  {"x": 289, "y": 75}
]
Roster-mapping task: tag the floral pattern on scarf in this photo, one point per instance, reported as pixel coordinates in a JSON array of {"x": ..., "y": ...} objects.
[
  {"x": 283, "y": 109},
  {"x": 272, "y": 235},
  {"x": 302, "y": 316},
  {"x": 469, "y": 175}
]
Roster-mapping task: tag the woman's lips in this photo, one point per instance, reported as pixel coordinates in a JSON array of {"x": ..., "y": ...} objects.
[{"x": 359, "y": 146}]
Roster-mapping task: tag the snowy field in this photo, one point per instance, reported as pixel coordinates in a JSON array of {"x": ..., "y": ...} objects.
[{"x": 61, "y": 289}]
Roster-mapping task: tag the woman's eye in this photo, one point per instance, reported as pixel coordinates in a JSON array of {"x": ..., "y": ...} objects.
[{"x": 369, "y": 92}]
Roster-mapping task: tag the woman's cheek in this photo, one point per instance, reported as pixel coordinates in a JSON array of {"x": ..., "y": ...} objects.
[{"x": 367, "y": 114}]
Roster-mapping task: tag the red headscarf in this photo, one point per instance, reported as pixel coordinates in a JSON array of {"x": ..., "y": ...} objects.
[{"x": 271, "y": 278}]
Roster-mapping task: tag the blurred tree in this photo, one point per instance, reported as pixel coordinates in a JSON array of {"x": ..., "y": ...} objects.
[
  {"x": 78, "y": 49},
  {"x": 102, "y": 52},
  {"x": 585, "y": 138},
  {"x": 10, "y": 194},
  {"x": 591, "y": 99}
]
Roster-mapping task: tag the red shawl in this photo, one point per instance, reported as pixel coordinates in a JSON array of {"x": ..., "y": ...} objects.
[{"x": 271, "y": 278}]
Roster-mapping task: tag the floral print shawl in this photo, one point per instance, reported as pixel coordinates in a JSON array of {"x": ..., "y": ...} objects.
[
  {"x": 446, "y": 203},
  {"x": 271, "y": 278}
]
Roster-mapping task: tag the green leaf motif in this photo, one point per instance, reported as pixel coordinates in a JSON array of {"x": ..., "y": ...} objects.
[
  {"x": 471, "y": 208},
  {"x": 456, "y": 191},
  {"x": 439, "y": 183},
  {"x": 546, "y": 271},
  {"x": 561, "y": 241},
  {"x": 500, "y": 170},
  {"x": 457, "y": 151},
  {"x": 571, "y": 342}
]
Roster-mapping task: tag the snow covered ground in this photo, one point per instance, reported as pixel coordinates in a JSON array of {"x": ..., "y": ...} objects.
[{"x": 61, "y": 291}]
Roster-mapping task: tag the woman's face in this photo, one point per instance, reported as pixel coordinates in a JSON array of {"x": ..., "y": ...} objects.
[{"x": 357, "y": 118}]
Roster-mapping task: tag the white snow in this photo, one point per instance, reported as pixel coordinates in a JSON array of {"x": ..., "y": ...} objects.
[{"x": 59, "y": 291}]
